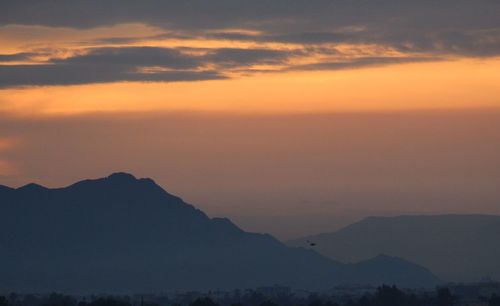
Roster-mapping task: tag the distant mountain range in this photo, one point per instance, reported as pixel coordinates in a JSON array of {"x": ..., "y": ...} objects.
[
  {"x": 454, "y": 247},
  {"x": 122, "y": 234}
]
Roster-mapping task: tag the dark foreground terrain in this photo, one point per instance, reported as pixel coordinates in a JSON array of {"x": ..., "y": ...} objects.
[
  {"x": 121, "y": 234},
  {"x": 472, "y": 294}
]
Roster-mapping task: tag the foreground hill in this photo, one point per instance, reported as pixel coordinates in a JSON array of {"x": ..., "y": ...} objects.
[
  {"x": 122, "y": 234},
  {"x": 455, "y": 247}
]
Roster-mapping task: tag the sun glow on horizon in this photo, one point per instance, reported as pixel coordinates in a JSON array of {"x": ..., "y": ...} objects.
[{"x": 447, "y": 84}]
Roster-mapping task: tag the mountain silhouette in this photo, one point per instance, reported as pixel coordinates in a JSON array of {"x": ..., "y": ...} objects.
[
  {"x": 123, "y": 234},
  {"x": 455, "y": 247}
]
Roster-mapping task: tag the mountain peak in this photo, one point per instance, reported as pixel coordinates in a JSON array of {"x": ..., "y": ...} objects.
[
  {"x": 127, "y": 178},
  {"x": 32, "y": 187},
  {"x": 120, "y": 183},
  {"x": 122, "y": 176}
]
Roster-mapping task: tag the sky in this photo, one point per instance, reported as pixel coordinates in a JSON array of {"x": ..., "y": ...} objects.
[{"x": 290, "y": 117}]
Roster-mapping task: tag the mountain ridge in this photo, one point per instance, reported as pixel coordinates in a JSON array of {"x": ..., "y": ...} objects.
[
  {"x": 123, "y": 234},
  {"x": 457, "y": 247}
]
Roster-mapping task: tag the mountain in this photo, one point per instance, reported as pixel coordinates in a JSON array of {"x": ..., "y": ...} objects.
[
  {"x": 455, "y": 247},
  {"x": 123, "y": 234}
]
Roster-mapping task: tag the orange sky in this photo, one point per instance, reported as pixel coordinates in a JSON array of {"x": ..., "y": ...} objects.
[
  {"x": 450, "y": 83},
  {"x": 287, "y": 133}
]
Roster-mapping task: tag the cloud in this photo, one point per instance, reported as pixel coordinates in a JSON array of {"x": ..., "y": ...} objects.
[
  {"x": 21, "y": 56},
  {"x": 73, "y": 74},
  {"x": 297, "y": 38},
  {"x": 464, "y": 27},
  {"x": 146, "y": 64},
  {"x": 137, "y": 56},
  {"x": 157, "y": 64},
  {"x": 104, "y": 65},
  {"x": 244, "y": 57},
  {"x": 362, "y": 62},
  {"x": 315, "y": 34},
  {"x": 301, "y": 37},
  {"x": 316, "y": 31}
]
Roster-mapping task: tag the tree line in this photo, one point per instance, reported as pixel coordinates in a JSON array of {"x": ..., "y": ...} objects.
[{"x": 383, "y": 296}]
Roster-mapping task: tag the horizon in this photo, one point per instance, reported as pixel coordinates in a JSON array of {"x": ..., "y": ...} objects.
[
  {"x": 332, "y": 230},
  {"x": 433, "y": 161}
]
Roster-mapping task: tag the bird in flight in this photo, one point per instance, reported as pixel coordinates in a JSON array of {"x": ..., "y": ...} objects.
[{"x": 312, "y": 244}]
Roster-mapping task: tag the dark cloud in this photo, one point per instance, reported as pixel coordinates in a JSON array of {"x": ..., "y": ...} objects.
[
  {"x": 424, "y": 30},
  {"x": 362, "y": 62},
  {"x": 301, "y": 38},
  {"x": 136, "y": 56},
  {"x": 104, "y": 65},
  {"x": 135, "y": 39},
  {"x": 22, "y": 56},
  {"x": 244, "y": 57},
  {"x": 479, "y": 43},
  {"x": 262, "y": 14},
  {"x": 74, "y": 74},
  {"x": 156, "y": 64},
  {"x": 147, "y": 64},
  {"x": 465, "y": 27}
]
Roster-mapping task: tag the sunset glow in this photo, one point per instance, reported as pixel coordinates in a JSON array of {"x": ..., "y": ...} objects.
[
  {"x": 451, "y": 84},
  {"x": 343, "y": 107}
]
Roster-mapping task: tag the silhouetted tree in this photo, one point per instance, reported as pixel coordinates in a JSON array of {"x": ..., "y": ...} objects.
[
  {"x": 31, "y": 300},
  {"x": 314, "y": 300},
  {"x": 389, "y": 296},
  {"x": 105, "y": 302},
  {"x": 56, "y": 299},
  {"x": 365, "y": 300},
  {"x": 268, "y": 303},
  {"x": 12, "y": 300},
  {"x": 444, "y": 297},
  {"x": 494, "y": 300},
  {"x": 383, "y": 296},
  {"x": 203, "y": 302}
]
